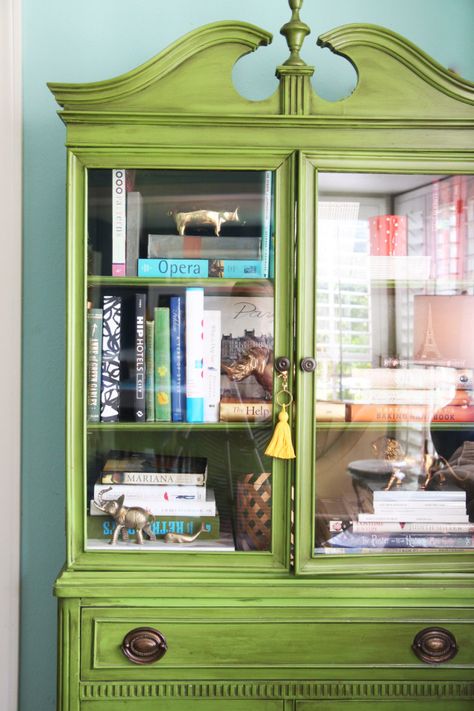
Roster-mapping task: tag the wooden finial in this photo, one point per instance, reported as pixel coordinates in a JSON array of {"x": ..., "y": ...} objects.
[{"x": 295, "y": 32}]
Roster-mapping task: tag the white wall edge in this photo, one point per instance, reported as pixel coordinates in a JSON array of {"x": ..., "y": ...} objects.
[{"x": 10, "y": 340}]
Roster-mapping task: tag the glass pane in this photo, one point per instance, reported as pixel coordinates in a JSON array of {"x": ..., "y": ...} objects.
[
  {"x": 180, "y": 359},
  {"x": 395, "y": 335}
]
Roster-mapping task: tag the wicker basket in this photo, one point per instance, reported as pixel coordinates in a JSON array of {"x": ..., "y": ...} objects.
[{"x": 254, "y": 512}]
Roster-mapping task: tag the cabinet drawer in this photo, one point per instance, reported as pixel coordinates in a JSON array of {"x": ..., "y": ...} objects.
[
  {"x": 265, "y": 643},
  {"x": 184, "y": 705}
]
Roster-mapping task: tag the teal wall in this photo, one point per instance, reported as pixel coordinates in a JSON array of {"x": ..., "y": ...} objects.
[{"x": 90, "y": 40}]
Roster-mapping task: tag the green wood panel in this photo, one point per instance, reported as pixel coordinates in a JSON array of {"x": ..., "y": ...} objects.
[
  {"x": 183, "y": 705},
  {"x": 253, "y": 643},
  {"x": 385, "y": 704}
]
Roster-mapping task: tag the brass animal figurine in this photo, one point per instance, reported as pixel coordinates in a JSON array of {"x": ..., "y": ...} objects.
[
  {"x": 202, "y": 218},
  {"x": 125, "y": 518},
  {"x": 183, "y": 537},
  {"x": 256, "y": 361}
]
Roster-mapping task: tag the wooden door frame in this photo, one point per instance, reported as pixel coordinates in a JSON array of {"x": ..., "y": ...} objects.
[{"x": 10, "y": 334}]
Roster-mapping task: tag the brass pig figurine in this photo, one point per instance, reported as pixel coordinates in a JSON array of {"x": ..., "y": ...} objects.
[
  {"x": 204, "y": 217},
  {"x": 125, "y": 518}
]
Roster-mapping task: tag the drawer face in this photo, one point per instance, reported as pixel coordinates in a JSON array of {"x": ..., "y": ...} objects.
[
  {"x": 183, "y": 705},
  {"x": 252, "y": 643},
  {"x": 384, "y": 705}
]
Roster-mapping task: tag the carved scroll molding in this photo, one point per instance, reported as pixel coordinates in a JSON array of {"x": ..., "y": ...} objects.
[{"x": 282, "y": 690}]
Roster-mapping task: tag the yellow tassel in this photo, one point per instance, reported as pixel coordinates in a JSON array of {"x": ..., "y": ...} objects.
[{"x": 280, "y": 445}]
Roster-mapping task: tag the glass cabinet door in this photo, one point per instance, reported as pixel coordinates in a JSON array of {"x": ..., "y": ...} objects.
[
  {"x": 394, "y": 341},
  {"x": 178, "y": 386}
]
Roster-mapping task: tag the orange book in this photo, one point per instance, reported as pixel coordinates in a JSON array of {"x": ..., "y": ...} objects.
[{"x": 410, "y": 413}]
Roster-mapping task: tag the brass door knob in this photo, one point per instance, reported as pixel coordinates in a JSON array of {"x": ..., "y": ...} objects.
[
  {"x": 144, "y": 645},
  {"x": 435, "y": 645}
]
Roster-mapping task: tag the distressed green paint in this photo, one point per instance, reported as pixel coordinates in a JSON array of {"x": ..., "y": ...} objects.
[{"x": 245, "y": 632}]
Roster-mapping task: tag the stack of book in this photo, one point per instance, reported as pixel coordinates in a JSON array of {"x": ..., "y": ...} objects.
[
  {"x": 173, "y": 489},
  {"x": 410, "y": 520},
  {"x": 202, "y": 255},
  {"x": 396, "y": 395},
  {"x": 168, "y": 367}
]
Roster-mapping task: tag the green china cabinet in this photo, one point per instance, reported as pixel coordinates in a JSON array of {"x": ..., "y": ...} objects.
[{"x": 230, "y": 261}]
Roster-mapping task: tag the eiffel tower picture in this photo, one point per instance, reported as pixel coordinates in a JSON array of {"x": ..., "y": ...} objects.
[{"x": 429, "y": 351}]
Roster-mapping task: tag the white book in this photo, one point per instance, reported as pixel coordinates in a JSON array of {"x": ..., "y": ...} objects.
[
  {"x": 144, "y": 492},
  {"x": 194, "y": 310},
  {"x": 267, "y": 223},
  {"x": 119, "y": 222},
  {"x": 413, "y": 527},
  {"x": 451, "y": 506},
  {"x": 212, "y": 365},
  {"x": 412, "y": 517},
  {"x": 404, "y": 378},
  {"x": 168, "y": 508},
  {"x": 407, "y": 496}
]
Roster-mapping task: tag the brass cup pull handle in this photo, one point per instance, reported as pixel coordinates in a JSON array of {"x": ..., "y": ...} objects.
[
  {"x": 435, "y": 645},
  {"x": 144, "y": 645}
]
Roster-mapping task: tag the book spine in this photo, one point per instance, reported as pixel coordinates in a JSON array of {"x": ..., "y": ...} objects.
[
  {"x": 410, "y": 496},
  {"x": 327, "y": 411},
  {"x": 201, "y": 268},
  {"x": 408, "y": 540},
  {"x": 243, "y": 269},
  {"x": 94, "y": 363},
  {"x": 118, "y": 222},
  {"x": 194, "y": 306},
  {"x": 406, "y": 517},
  {"x": 134, "y": 212},
  {"x": 167, "y": 508},
  {"x": 174, "y": 268},
  {"x": 381, "y": 527},
  {"x": 103, "y": 526},
  {"x": 178, "y": 374},
  {"x": 212, "y": 365},
  {"x": 245, "y": 411},
  {"x": 110, "y": 384},
  {"x": 153, "y": 478},
  {"x": 134, "y": 493},
  {"x": 140, "y": 357},
  {"x": 266, "y": 223},
  {"x": 388, "y": 413},
  {"x": 162, "y": 365},
  {"x": 150, "y": 372},
  {"x": 418, "y": 506}
]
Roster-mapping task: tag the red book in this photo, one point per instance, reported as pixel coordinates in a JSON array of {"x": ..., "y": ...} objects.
[{"x": 388, "y": 235}]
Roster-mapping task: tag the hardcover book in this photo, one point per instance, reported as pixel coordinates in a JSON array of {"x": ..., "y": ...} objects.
[
  {"x": 132, "y": 463},
  {"x": 246, "y": 354},
  {"x": 103, "y": 526},
  {"x": 178, "y": 359},
  {"x": 144, "y": 492},
  {"x": 150, "y": 372},
  {"x": 194, "y": 308},
  {"x": 201, "y": 268},
  {"x": 133, "y": 230},
  {"x": 190, "y": 247},
  {"x": 119, "y": 196},
  {"x": 94, "y": 361},
  {"x": 212, "y": 365},
  {"x": 162, "y": 365},
  {"x": 161, "y": 507},
  {"x": 111, "y": 339},
  {"x": 266, "y": 223},
  {"x": 140, "y": 358},
  {"x": 348, "y": 539}
]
